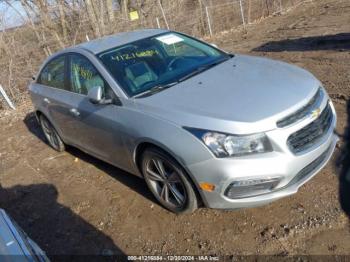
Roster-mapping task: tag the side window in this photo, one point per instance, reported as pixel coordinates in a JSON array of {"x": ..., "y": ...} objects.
[
  {"x": 84, "y": 76},
  {"x": 53, "y": 73}
]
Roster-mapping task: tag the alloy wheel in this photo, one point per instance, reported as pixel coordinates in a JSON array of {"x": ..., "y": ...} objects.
[
  {"x": 50, "y": 133},
  {"x": 166, "y": 182}
]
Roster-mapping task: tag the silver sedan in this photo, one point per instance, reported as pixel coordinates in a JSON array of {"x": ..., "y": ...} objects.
[{"x": 200, "y": 125}]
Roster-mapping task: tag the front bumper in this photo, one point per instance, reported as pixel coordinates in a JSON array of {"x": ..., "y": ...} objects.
[{"x": 294, "y": 169}]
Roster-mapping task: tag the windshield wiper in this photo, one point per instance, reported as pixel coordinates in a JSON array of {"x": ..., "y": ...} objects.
[
  {"x": 202, "y": 69},
  {"x": 155, "y": 89}
]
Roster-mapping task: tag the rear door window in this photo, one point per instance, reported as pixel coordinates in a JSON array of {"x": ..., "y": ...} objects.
[{"x": 53, "y": 74}]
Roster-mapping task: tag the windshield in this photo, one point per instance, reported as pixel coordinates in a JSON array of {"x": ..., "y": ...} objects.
[{"x": 157, "y": 61}]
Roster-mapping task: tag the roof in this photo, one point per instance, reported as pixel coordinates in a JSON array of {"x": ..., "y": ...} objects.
[{"x": 107, "y": 42}]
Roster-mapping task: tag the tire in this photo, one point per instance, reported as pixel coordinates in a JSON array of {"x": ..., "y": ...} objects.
[
  {"x": 51, "y": 134},
  {"x": 168, "y": 182}
]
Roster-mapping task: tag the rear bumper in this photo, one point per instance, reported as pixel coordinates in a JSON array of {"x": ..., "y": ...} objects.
[{"x": 294, "y": 170}]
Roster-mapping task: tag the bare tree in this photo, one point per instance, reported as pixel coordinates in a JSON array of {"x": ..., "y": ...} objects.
[
  {"x": 92, "y": 17},
  {"x": 61, "y": 8},
  {"x": 109, "y": 5}
]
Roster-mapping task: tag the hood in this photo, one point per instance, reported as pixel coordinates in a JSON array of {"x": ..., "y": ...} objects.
[{"x": 243, "y": 95}]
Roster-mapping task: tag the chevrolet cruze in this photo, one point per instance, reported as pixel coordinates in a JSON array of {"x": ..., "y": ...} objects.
[{"x": 200, "y": 125}]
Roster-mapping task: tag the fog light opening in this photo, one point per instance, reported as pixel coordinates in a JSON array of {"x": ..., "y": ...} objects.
[{"x": 251, "y": 187}]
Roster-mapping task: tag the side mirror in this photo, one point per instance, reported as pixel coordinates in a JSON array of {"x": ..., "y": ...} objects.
[{"x": 95, "y": 95}]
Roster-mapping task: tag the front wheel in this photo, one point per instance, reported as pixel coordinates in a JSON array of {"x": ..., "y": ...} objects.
[{"x": 168, "y": 182}]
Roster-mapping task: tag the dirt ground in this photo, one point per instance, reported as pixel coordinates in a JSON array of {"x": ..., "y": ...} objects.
[{"x": 71, "y": 203}]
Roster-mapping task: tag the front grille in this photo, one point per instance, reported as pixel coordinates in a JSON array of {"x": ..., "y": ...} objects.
[
  {"x": 310, "y": 168},
  {"x": 302, "y": 112},
  {"x": 312, "y": 133}
]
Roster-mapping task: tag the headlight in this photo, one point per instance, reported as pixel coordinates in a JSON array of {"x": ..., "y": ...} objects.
[{"x": 224, "y": 145}]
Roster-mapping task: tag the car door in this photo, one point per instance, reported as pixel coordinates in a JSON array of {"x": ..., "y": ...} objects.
[
  {"x": 54, "y": 99},
  {"x": 98, "y": 127}
]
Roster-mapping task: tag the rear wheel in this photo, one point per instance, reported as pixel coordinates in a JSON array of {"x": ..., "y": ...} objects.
[
  {"x": 168, "y": 182},
  {"x": 51, "y": 134}
]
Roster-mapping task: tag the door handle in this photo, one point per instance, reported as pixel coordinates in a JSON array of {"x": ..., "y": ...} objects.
[
  {"x": 74, "y": 112},
  {"x": 47, "y": 101}
]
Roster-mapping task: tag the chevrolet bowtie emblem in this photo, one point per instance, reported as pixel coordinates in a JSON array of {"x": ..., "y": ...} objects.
[{"x": 315, "y": 113}]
